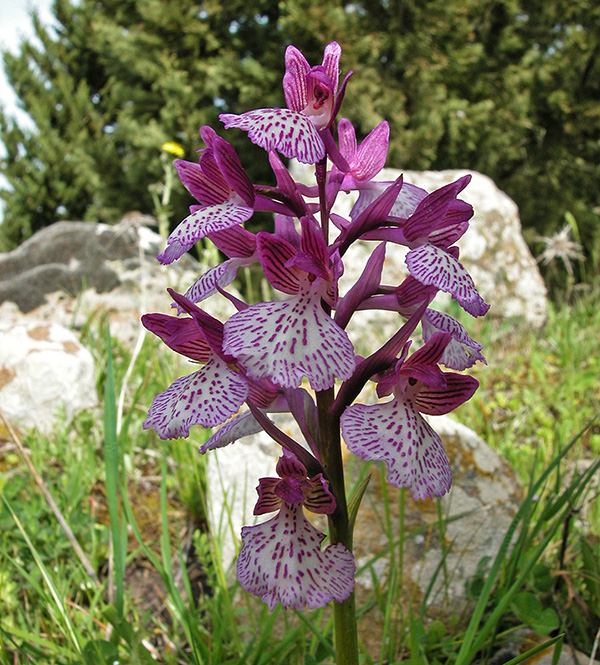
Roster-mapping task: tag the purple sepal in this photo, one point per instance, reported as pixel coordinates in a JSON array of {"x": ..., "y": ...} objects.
[
  {"x": 422, "y": 365},
  {"x": 212, "y": 329},
  {"x": 313, "y": 242},
  {"x": 432, "y": 209},
  {"x": 181, "y": 335},
  {"x": 365, "y": 161},
  {"x": 231, "y": 169},
  {"x": 235, "y": 242},
  {"x": 268, "y": 501},
  {"x": 412, "y": 293},
  {"x": 281, "y": 560},
  {"x": 275, "y": 255},
  {"x": 366, "y": 285},
  {"x": 458, "y": 389},
  {"x": 436, "y": 267}
]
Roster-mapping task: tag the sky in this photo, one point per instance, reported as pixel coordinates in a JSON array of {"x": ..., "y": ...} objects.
[{"x": 15, "y": 26}]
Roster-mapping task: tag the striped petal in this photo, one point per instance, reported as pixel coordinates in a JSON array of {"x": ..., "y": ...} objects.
[
  {"x": 435, "y": 267},
  {"x": 398, "y": 435},
  {"x": 285, "y": 341},
  {"x": 180, "y": 334},
  {"x": 207, "y": 397},
  {"x": 281, "y": 560},
  {"x": 200, "y": 223},
  {"x": 462, "y": 351},
  {"x": 241, "y": 425},
  {"x": 289, "y": 132},
  {"x": 222, "y": 275}
]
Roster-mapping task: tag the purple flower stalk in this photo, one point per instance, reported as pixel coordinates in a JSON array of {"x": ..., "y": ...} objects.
[{"x": 294, "y": 354}]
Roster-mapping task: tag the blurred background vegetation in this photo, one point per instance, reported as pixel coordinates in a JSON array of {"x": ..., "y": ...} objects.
[{"x": 510, "y": 88}]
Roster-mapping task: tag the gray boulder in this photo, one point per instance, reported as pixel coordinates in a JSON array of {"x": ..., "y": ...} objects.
[{"x": 72, "y": 257}]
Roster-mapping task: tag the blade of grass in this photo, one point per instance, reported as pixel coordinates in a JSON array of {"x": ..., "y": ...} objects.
[
  {"x": 55, "y": 597},
  {"x": 464, "y": 656},
  {"x": 111, "y": 461},
  {"x": 50, "y": 501},
  {"x": 521, "y": 658}
]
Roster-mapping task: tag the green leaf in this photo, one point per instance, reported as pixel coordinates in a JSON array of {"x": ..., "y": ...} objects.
[{"x": 530, "y": 611}]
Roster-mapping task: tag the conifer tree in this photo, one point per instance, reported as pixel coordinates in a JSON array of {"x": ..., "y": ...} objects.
[{"x": 507, "y": 87}]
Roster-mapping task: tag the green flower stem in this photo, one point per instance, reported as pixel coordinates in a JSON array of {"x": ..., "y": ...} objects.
[{"x": 344, "y": 614}]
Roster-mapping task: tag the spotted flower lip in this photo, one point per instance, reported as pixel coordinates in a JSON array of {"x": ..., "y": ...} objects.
[
  {"x": 221, "y": 186},
  {"x": 281, "y": 560},
  {"x": 209, "y": 396},
  {"x": 395, "y": 432},
  {"x": 287, "y": 340}
]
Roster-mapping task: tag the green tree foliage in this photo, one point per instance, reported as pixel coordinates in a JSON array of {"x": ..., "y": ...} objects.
[{"x": 507, "y": 87}]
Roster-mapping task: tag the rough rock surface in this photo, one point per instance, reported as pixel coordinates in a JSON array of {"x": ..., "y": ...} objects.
[
  {"x": 72, "y": 257},
  {"x": 43, "y": 371},
  {"x": 493, "y": 249},
  {"x": 485, "y": 495}
]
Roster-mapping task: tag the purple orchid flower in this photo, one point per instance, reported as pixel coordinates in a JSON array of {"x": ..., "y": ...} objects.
[
  {"x": 265, "y": 351},
  {"x": 312, "y": 98},
  {"x": 395, "y": 432},
  {"x": 209, "y": 396},
  {"x": 223, "y": 189},
  {"x": 287, "y": 340},
  {"x": 281, "y": 560}
]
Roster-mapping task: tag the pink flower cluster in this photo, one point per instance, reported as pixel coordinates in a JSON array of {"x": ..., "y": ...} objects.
[{"x": 260, "y": 356}]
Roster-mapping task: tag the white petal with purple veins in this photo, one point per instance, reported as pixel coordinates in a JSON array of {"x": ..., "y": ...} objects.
[
  {"x": 285, "y": 341},
  {"x": 435, "y": 267},
  {"x": 281, "y": 560},
  {"x": 398, "y": 435},
  {"x": 289, "y": 132},
  {"x": 202, "y": 222},
  {"x": 462, "y": 352},
  {"x": 207, "y": 397},
  {"x": 206, "y": 285}
]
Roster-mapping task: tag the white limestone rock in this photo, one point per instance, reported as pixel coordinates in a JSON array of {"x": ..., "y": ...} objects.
[{"x": 44, "y": 373}]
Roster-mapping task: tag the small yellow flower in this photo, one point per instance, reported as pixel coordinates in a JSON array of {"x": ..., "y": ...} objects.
[{"x": 173, "y": 148}]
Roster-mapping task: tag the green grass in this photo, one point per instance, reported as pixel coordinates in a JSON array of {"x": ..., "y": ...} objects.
[{"x": 128, "y": 498}]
